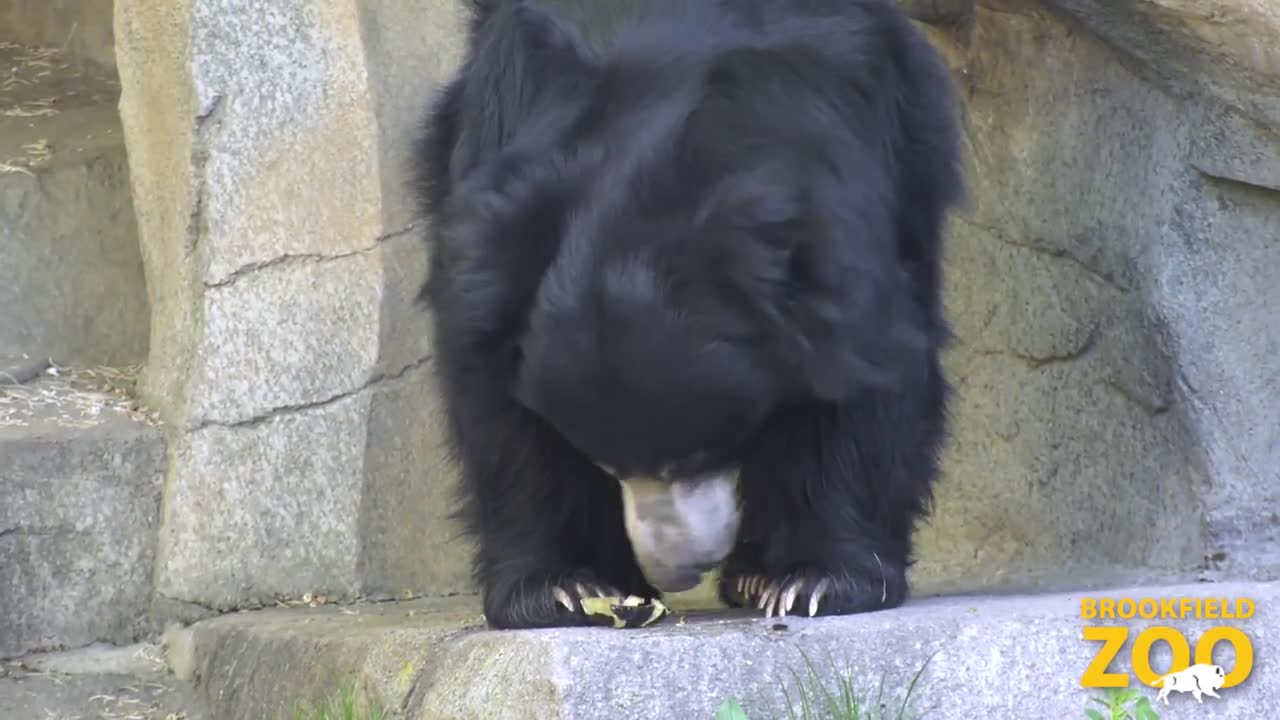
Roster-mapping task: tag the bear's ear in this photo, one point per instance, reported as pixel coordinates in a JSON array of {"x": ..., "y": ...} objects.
[
  {"x": 753, "y": 222},
  {"x": 813, "y": 267},
  {"x": 522, "y": 60}
]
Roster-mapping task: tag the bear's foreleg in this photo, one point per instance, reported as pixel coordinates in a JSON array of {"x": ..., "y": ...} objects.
[
  {"x": 830, "y": 497},
  {"x": 548, "y": 524}
]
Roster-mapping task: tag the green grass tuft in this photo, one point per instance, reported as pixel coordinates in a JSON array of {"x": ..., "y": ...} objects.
[
  {"x": 1123, "y": 704},
  {"x": 343, "y": 705},
  {"x": 815, "y": 698}
]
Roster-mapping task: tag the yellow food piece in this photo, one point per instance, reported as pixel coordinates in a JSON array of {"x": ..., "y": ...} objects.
[{"x": 631, "y": 611}]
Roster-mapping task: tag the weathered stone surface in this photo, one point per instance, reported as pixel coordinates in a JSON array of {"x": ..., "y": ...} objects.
[
  {"x": 1221, "y": 49},
  {"x": 21, "y": 368},
  {"x": 152, "y": 696},
  {"x": 270, "y": 147},
  {"x": 71, "y": 277},
  {"x": 1067, "y": 450},
  {"x": 1110, "y": 413},
  {"x": 71, "y": 281},
  {"x": 408, "y": 541},
  {"x": 404, "y": 332},
  {"x": 1088, "y": 282},
  {"x": 1229, "y": 146},
  {"x": 80, "y": 484},
  {"x": 293, "y": 334},
  {"x": 291, "y": 161},
  {"x": 410, "y": 46},
  {"x": 1063, "y": 455},
  {"x": 937, "y": 11},
  {"x": 98, "y": 682},
  {"x": 385, "y": 646},
  {"x": 163, "y": 133},
  {"x": 266, "y": 509},
  {"x": 1213, "y": 278},
  {"x": 432, "y": 661},
  {"x": 82, "y": 27},
  {"x": 266, "y": 156}
]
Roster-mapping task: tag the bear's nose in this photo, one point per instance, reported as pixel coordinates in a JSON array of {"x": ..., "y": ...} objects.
[{"x": 680, "y": 530}]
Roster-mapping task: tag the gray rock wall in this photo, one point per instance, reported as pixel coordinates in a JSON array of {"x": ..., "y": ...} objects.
[
  {"x": 71, "y": 277},
  {"x": 289, "y": 363},
  {"x": 83, "y": 27},
  {"x": 80, "y": 482},
  {"x": 1210, "y": 241},
  {"x": 1109, "y": 283},
  {"x": 1117, "y": 368}
]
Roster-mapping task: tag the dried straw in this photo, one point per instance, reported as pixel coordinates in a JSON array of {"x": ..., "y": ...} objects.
[
  {"x": 74, "y": 397},
  {"x": 30, "y": 66}
]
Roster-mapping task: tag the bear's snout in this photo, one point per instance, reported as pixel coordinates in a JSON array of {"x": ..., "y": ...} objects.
[{"x": 680, "y": 530}]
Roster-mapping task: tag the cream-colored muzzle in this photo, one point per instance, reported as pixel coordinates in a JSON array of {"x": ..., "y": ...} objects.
[{"x": 680, "y": 529}]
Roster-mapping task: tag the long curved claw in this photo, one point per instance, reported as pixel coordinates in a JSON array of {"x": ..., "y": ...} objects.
[{"x": 815, "y": 595}]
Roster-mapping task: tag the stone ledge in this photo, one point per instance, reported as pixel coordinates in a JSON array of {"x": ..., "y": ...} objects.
[
  {"x": 433, "y": 661},
  {"x": 79, "y": 504},
  {"x": 99, "y": 681}
]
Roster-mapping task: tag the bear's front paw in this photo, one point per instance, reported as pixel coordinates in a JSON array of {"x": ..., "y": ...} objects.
[
  {"x": 815, "y": 593},
  {"x": 545, "y": 601}
]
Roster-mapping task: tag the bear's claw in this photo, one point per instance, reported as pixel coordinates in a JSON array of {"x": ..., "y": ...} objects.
[
  {"x": 778, "y": 597},
  {"x": 572, "y": 601},
  {"x": 823, "y": 592},
  {"x": 552, "y": 599}
]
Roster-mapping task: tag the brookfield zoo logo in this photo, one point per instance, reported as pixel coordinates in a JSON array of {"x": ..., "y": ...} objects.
[{"x": 1199, "y": 679}]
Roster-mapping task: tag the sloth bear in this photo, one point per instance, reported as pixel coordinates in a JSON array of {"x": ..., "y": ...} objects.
[{"x": 684, "y": 286}]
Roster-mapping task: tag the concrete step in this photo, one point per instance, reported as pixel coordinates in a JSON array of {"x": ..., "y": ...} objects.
[
  {"x": 71, "y": 273},
  {"x": 1007, "y": 656},
  {"x": 96, "y": 683},
  {"x": 80, "y": 478}
]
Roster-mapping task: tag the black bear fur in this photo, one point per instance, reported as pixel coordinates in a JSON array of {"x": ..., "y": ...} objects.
[{"x": 682, "y": 235}]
